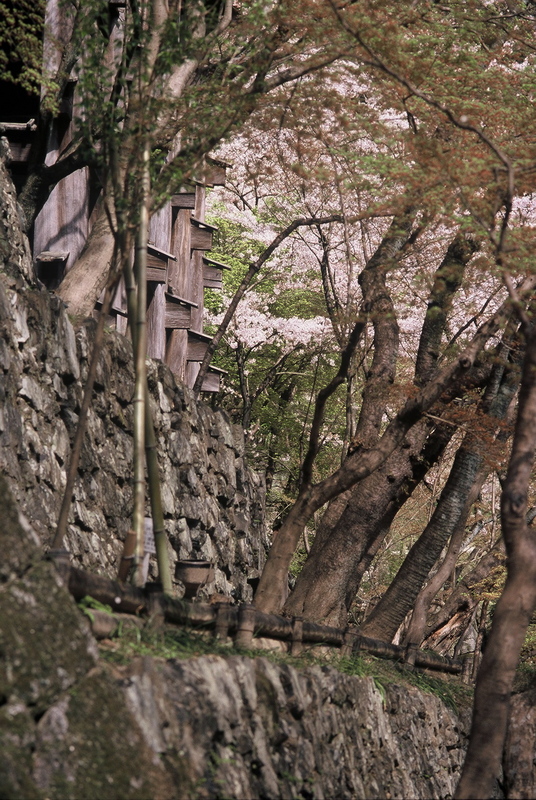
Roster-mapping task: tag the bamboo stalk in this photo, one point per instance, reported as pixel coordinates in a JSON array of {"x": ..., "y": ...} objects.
[
  {"x": 140, "y": 271},
  {"x": 155, "y": 494}
]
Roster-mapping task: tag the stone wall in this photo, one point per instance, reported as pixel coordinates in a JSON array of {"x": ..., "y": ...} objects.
[
  {"x": 213, "y": 502},
  {"x": 73, "y": 726}
]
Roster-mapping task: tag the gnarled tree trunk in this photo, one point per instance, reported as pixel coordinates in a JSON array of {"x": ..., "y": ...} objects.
[
  {"x": 83, "y": 284},
  {"x": 327, "y": 585},
  {"x": 516, "y": 604},
  {"x": 464, "y": 482}
]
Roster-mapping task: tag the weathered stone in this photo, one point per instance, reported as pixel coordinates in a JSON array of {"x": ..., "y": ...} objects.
[
  {"x": 17, "y": 743},
  {"x": 520, "y": 749},
  {"x": 197, "y": 449},
  {"x": 253, "y": 729},
  {"x": 19, "y": 544},
  {"x": 88, "y": 745},
  {"x": 45, "y": 646}
]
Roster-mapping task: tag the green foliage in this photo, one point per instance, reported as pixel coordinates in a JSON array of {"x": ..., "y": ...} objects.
[
  {"x": 271, "y": 383},
  {"x": 528, "y": 651},
  {"x": 21, "y": 43},
  {"x": 449, "y": 689},
  {"x": 303, "y": 303},
  {"x": 87, "y": 603}
]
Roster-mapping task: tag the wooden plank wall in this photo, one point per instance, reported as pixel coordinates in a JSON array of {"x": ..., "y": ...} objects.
[
  {"x": 178, "y": 234},
  {"x": 159, "y": 235},
  {"x": 62, "y": 225}
]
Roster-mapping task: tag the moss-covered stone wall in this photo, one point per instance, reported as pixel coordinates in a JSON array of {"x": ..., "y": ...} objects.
[{"x": 213, "y": 501}]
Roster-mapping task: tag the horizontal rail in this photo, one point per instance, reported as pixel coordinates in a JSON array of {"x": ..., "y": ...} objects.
[{"x": 242, "y": 622}]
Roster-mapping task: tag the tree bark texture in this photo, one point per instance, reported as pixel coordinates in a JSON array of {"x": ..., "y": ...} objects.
[
  {"x": 515, "y": 606},
  {"x": 377, "y": 303},
  {"x": 399, "y": 598},
  {"x": 329, "y": 580},
  {"x": 464, "y": 482},
  {"x": 81, "y": 287},
  {"x": 330, "y": 576},
  {"x": 462, "y": 598},
  {"x": 416, "y": 629},
  {"x": 447, "y": 281}
]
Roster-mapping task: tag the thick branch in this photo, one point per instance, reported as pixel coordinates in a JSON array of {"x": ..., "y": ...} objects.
[
  {"x": 360, "y": 464},
  {"x": 322, "y": 398},
  {"x": 516, "y": 604},
  {"x": 245, "y": 283}
]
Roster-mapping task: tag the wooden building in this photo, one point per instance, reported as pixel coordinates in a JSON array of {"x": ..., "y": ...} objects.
[{"x": 179, "y": 237}]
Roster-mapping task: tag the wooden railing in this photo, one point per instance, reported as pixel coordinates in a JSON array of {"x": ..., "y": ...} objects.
[{"x": 243, "y": 622}]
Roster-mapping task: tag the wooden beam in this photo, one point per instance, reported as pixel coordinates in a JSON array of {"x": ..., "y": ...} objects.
[
  {"x": 201, "y": 235},
  {"x": 153, "y": 250},
  {"x": 212, "y": 380},
  {"x": 215, "y": 264},
  {"x": 156, "y": 274},
  {"x": 183, "y": 200},
  {"x": 214, "y": 172},
  {"x": 197, "y": 345},
  {"x": 156, "y": 330},
  {"x": 178, "y": 313},
  {"x": 176, "y": 346},
  {"x": 212, "y": 278}
]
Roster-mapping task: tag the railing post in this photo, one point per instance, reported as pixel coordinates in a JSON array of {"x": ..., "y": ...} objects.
[
  {"x": 350, "y": 642},
  {"x": 245, "y": 626},
  {"x": 156, "y": 603},
  {"x": 467, "y": 667},
  {"x": 221, "y": 629},
  {"x": 297, "y": 636},
  {"x": 410, "y": 654}
]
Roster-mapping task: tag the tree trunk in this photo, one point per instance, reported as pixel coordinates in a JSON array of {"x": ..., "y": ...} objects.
[
  {"x": 362, "y": 463},
  {"x": 330, "y": 574},
  {"x": 399, "y": 598},
  {"x": 516, "y": 604},
  {"x": 462, "y": 598},
  {"x": 329, "y": 580},
  {"x": 415, "y": 632},
  {"x": 83, "y": 284},
  {"x": 447, "y": 281},
  {"x": 465, "y": 480}
]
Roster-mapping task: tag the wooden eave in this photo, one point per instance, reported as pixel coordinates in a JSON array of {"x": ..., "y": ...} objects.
[
  {"x": 118, "y": 310},
  {"x": 201, "y": 234},
  {"x": 215, "y": 171},
  {"x": 157, "y": 264},
  {"x": 201, "y": 337},
  {"x": 197, "y": 345},
  {"x": 212, "y": 379},
  {"x": 219, "y": 162},
  {"x": 20, "y": 136},
  {"x": 159, "y": 253},
  {"x": 6, "y": 127},
  {"x": 172, "y": 296},
  {"x": 50, "y": 255},
  {"x": 212, "y": 273},
  {"x": 178, "y": 313},
  {"x": 203, "y": 225},
  {"x": 218, "y": 370},
  {"x": 215, "y": 264}
]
